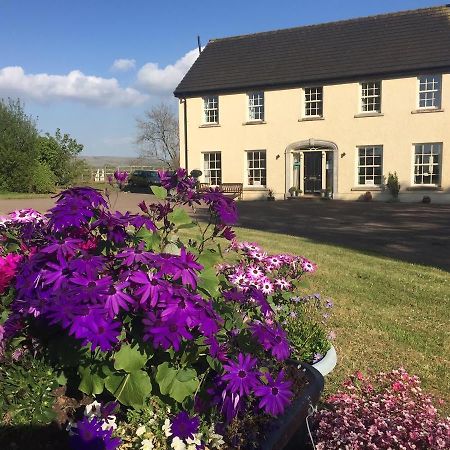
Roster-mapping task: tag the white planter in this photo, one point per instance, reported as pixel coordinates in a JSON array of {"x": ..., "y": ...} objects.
[{"x": 327, "y": 363}]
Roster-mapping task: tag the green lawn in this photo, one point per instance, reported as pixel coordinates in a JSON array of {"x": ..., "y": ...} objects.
[{"x": 387, "y": 313}]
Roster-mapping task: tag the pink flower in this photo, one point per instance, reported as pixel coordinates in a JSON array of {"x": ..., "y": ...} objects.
[{"x": 8, "y": 267}]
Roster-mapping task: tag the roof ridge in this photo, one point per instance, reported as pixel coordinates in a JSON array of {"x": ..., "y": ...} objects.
[{"x": 334, "y": 22}]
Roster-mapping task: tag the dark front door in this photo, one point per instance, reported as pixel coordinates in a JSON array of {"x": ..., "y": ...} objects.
[{"x": 313, "y": 172}]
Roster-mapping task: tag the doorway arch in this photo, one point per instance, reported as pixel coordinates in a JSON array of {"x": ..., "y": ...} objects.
[{"x": 294, "y": 160}]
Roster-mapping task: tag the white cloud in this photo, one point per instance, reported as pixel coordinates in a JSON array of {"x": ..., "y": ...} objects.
[
  {"x": 160, "y": 81},
  {"x": 123, "y": 65},
  {"x": 74, "y": 86}
]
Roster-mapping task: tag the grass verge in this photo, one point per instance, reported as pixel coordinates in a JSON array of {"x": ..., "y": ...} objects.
[{"x": 387, "y": 313}]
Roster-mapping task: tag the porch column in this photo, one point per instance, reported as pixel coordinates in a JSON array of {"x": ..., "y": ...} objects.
[
  {"x": 324, "y": 170},
  {"x": 302, "y": 173}
]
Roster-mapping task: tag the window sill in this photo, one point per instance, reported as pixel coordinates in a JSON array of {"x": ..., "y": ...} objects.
[
  {"x": 255, "y": 188},
  {"x": 209, "y": 125},
  {"x": 255, "y": 122},
  {"x": 367, "y": 188},
  {"x": 427, "y": 110},
  {"x": 424, "y": 188},
  {"x": 368, "y": 114},
  {"x": 309, "y": 119}
]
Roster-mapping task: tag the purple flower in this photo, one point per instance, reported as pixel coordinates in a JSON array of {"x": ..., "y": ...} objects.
[
  {"x": 132, "y": 255},
  {"x": 165, "y": 334},
  {"x": 91, "y": 289},
  {"x": 121, "y": 177},
  {"x": 74, "y": 208},
  {"x": 273, "y": 339},
  {"x": 182, "y": 267},
  {"x": 56, "y": 273},
  {"x": 151, "y": 286},
  {"x": 63, "y": 309},
  {"x": 224, "y": 207},
  {"x": 241, "y": 375},
  {"x": 275, "y": 395},
  {"x": 184, "y": 426},
  {"x": 89, "y": 435},
  {"x": 67, "y": 247},
  {"x": 117, "y": 299},
  {"x": 96, "y": 330}
]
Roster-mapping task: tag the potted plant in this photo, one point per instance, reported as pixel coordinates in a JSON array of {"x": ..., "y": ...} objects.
[
  {"x": 294, "y": 191},
  {"x": 393, "y": 186},
  {"x": 270, "y": 196},
  {"x": 141, "y": 339}
]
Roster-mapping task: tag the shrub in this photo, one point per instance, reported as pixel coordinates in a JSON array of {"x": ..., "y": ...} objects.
[
  {"x": 123, "y": 309},
  {"x": 42, "y": 179},
  {"x": 393, "y": 184},
  {"x": 388, "y": 411}
]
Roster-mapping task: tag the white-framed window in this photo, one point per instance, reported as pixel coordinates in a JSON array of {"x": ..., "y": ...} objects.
[
  {"x": 211, "y": 109},
  {"x": 371, "y": 96},
  {"x": 314, "y": 102},
  {"x": 427, "y": 163},
  {"x": 212, "y": 165},
  {"x": 430, "y": 91},
  {"x": 256, "y": 106},
  {"x": 370, "y": 165},
  {"x": 256, "y": 167}
]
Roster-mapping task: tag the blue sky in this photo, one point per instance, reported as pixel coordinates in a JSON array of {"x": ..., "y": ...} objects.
[{"x": 58, "y": 55}]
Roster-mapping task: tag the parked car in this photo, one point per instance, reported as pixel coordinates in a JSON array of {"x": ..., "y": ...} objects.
[{"x": 144, "y": 179}]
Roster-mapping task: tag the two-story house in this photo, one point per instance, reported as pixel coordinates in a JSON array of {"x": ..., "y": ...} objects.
[{"x": 334, "y": 106}]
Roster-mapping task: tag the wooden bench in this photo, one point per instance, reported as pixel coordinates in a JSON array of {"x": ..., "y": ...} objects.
[{"x": 233, "y": 190}]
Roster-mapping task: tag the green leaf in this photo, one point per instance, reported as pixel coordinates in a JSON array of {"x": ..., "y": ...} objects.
[
  {"x": 215, "y": 364},
  {"x": 208, "y": 281},
  {"x": 129, "y": 358},
  {"x": 172, "y": 249},
  {"x": 178, "y": 384},
  {"x": 151, "y": 239},
  {"x": 179, "y": 216},
  {"x": 91, "y": 382},
  {"x": 61, "y": 379},
  {"x": 159, "y": 192},
  {"x": 208, "y": 258},
  {"x": 130, "y": 389}
]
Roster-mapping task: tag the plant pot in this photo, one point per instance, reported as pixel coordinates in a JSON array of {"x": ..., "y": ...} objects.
[
  {"x": 289, "y": 432},
  {"x": 327, "y": 363},
  {"x": 270, "y": 199}
]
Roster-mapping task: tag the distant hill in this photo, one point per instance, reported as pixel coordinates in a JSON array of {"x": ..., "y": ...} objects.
[{"x": 118, "y": 161}]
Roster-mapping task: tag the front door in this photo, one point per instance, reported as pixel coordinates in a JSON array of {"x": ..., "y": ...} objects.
[{"x": 312, "y": 172}]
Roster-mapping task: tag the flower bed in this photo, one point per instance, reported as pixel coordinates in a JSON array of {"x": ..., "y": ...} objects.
[
  {"x": 141, "y": 340},
  {"x": 387, "y": 411}
]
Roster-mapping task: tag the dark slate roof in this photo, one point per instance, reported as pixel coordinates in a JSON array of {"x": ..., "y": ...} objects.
[{"x": 389, "y": 44}]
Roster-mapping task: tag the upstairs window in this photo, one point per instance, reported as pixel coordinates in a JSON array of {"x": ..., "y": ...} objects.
[
  {"x": 211, "y": 109},
  {"x": 256, "y": 106},
  {"x": 314, "y": 102},
  {"x": 370, "y": 165},
  {"x": 430, "y": 91},
  {"x": 212, "y": 164},
  {"x": 256, "y": 168},
  {"x": 427, "y": 163},
  {"x": 371, "y": 96}
]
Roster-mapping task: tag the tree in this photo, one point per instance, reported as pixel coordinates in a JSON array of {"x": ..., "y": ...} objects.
[
  {"x": 159, "y": 132},
  {"x": 18, "y": 150},
  {"x": 60, "y": 154}
]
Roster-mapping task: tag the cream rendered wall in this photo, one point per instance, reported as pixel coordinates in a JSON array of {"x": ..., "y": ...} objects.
[{"x": 397, "y": 129}]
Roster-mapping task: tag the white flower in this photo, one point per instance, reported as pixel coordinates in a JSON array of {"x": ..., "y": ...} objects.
[
  {"x": 140, "y": 431},
  {"x": 194, "y": 442},
  {"x": 216, "y": 440},
  {"x": 147, "y": 444},
  {"x": 93, "y": 409},
  {"x": 167, "y": 428},
  {"x": 178, "y": 444},
  {"x": 109, "y": 423}
]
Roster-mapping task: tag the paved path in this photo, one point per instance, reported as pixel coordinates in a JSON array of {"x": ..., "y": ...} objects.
[
  {"x": 416, "y": 233},
  {"x": 125, "y": 201}
]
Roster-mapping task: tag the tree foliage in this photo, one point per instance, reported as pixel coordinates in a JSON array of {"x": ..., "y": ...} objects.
[
  {"x": 30, "y": 162},
  {"x": 158, "y": 131},
  {"x": 18, "y": 150}
]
